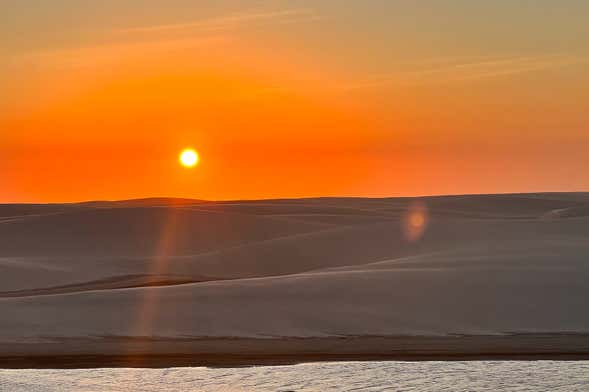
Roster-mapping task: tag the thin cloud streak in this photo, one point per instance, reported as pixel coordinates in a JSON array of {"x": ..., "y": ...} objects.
[
  {"x": 231, "y": 21},
  {"x": 473, "y": 70},
  {"x": 212, "y": 30},
  {"x": 102, "y": 54},
  {"x": 525, "y": 66}
]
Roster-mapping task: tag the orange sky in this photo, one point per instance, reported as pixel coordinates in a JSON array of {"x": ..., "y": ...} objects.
[{"x": 303, "y": 99}]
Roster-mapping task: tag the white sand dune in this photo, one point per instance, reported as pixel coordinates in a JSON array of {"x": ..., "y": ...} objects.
[{"x": 485, "y": 264}]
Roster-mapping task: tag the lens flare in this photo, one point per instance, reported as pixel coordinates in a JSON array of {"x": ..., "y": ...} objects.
[{"x": 415, "y": 221}]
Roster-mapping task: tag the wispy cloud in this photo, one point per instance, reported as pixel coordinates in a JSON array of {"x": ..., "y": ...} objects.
[
  {"x": 510, "y": 66},
  {"x": 231, "y": 21},
  {"x": 108, "y": 53},
  {"x": 125, "y": 43},
  {"x": 476, "y": 69}
]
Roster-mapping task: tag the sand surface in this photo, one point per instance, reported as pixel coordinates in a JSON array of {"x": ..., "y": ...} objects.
[{"x": 106, "y": 273}]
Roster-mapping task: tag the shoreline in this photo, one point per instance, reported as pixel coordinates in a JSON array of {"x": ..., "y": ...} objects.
[{"x": 108, "y": 352}]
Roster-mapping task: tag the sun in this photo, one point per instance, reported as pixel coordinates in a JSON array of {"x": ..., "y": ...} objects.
[{"x": 189, "y": 157}]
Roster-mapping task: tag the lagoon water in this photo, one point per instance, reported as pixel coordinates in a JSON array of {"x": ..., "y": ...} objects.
[{"x": 432, "y": 376}]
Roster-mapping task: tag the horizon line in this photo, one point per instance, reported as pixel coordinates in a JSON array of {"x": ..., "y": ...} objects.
[{"x": 171, "y": 198}]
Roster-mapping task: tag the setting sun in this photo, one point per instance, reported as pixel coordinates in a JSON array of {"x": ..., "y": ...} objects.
[{"x": 189, "y": 158}]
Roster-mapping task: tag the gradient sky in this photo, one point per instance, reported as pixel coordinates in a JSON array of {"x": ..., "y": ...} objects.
[{"x": 291, "y": 98}]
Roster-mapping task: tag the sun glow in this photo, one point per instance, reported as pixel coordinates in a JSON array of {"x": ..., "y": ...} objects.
[{"x": 189, "y": 158}]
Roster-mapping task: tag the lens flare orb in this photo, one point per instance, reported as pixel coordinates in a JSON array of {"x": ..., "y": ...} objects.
[{"x": 415, "y": 221}]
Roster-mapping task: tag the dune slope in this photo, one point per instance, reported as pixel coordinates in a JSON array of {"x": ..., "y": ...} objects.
[{"x": 473, "y": 265}]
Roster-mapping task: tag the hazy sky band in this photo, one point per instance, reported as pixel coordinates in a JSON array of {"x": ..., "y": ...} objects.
[{"x": 366, "y": 98}]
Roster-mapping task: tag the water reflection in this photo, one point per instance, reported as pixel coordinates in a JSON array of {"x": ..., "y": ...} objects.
[{"x": 476, "y": 376}]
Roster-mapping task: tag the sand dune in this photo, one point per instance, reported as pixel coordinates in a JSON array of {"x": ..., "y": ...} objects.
[{"x": 325, "y": 267}]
